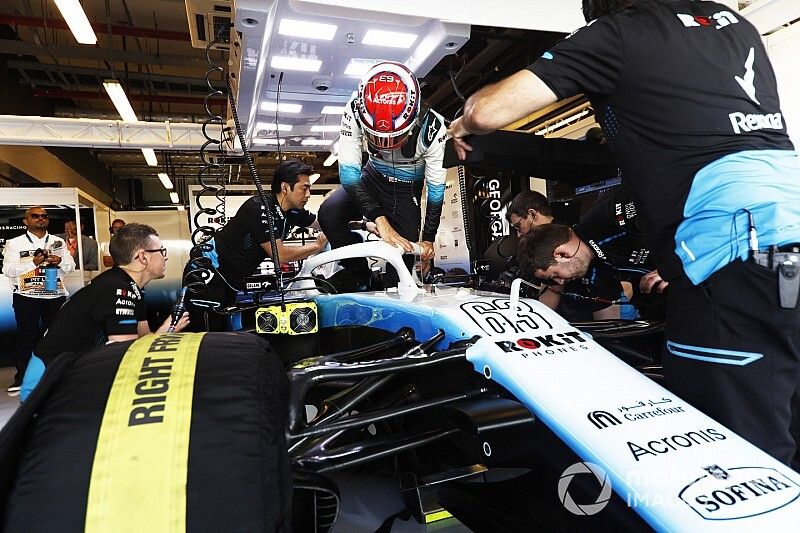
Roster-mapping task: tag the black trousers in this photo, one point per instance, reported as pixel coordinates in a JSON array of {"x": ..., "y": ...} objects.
[
  {"x": 399, "y": 199},
  {"x": 732, "y": 352},
  {"x": 33, "y": 316}
]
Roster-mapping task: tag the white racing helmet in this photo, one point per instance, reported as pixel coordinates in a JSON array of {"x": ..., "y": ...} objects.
[{"x": 388, "y": 103}]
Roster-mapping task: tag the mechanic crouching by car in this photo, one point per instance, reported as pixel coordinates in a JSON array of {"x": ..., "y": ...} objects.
[
  {"x": 244, "y": 242},
  {"x": 405, "y": 144},
  {"x": 587, "y": 264},
  {"x": 111, "y": 308},
  {"x": 702, "y": 143}
]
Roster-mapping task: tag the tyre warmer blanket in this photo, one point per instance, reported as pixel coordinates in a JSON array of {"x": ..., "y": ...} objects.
[{"x": 171, "y": 432}]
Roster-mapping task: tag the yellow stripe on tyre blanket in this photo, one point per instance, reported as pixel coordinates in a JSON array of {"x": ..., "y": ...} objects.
[{"x": 138, "y": 480}]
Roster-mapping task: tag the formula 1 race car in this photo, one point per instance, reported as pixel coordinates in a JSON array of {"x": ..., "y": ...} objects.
[
  {"x": 423, "y": 401},
  {"x": 488, "y": 406}
]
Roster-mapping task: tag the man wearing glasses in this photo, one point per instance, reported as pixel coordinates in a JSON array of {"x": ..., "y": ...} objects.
[
  {"x": 111, "y": 308},
  {"x": 527, "y": 210},
  {"x": 24, "y": 260}
]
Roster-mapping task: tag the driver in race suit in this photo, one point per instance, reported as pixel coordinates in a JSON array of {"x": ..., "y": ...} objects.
[{"x": 405, "y": 144}]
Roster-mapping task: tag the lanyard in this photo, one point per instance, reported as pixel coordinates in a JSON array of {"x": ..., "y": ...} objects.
[{"x": 27, "y": 236}]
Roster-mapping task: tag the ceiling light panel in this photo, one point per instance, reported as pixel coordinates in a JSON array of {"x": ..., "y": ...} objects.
[
  {"x": 120, "y": 100},
  {"x": 271, "y": 126},
  {"x": 165, "y": 181},
  {"x": 76, "y": 20},
  {"x": 320, "y": 75},
  {"x": 359, "y": 66},
  {"x": 333, "y": 110},
  {"x": 326, "y": 128},
  {"x": 316, "y": 142},
  {"x": 391, "y": 39},
  {"x": 306, "y": 29},
  {"x": 174, "y": 197},
  {"x": 284, "y": 107},
  {"x": 150, "y": 157},
  {"x": 273, "y": 142},
  {"x": 296, "y": 63}
]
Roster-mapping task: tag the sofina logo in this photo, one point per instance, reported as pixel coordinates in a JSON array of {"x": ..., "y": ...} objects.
[{"x": 732, "y": 493}]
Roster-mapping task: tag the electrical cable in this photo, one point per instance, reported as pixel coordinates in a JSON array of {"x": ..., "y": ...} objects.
[
  {"x": 200, "y": 268},
  {"x": 267, "y": 206}
]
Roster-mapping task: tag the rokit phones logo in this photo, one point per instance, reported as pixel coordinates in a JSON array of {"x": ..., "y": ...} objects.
[
  {"x": 641, "y": 410},
  {"x": 739, "y": 492},
  {"x": 570, "y": 341}
]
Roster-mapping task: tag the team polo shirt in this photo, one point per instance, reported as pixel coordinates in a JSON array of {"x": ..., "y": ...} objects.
[
  {"x": 611, "y": 229},
  {"x": 238, "y": 243},
  {"x": 112, "y": 304},
  {"x": 677, "y": 85}
]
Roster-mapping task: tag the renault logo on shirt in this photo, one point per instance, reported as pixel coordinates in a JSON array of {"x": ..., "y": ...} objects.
[
  {"x": 746, "y": 80},
  {"x": 746, "y": 123}
]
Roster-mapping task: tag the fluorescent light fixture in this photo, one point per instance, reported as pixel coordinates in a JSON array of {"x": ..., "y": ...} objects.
[
  {"x": 392, "y": 39},
  {"x": 295, "y": 63},
  {"x": 181, "y": 208},
  {"x": 76, "y": 19},
  {"x": 274, "y": 142},
  {"x": 358, "y": 66},
  {"x": 309, "y": 30},
  {"x": 313, "y": 177},
  {"x": 165, "y": 181},
  {"x": 174, "y": 197},
  {"x": 150, "y": 156},
  {"x": 271, "y": 126},
  {"x": 283, "y": 108},
  {"x": 326, "y": 128},
  {"x": 120, "y": 100},
  {"x": 333, "y": 110},
  {"x": 330, "y": 161},
  {"x": 316, "y": 142}
]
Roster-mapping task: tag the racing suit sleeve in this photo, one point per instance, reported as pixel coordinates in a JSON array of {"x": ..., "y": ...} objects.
[
  {"x": 433, "y": 135},
  {"x": 351, "y": 142}
]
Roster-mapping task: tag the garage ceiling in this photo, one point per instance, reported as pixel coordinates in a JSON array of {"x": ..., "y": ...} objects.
[{"x": 147, "y": 46}]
